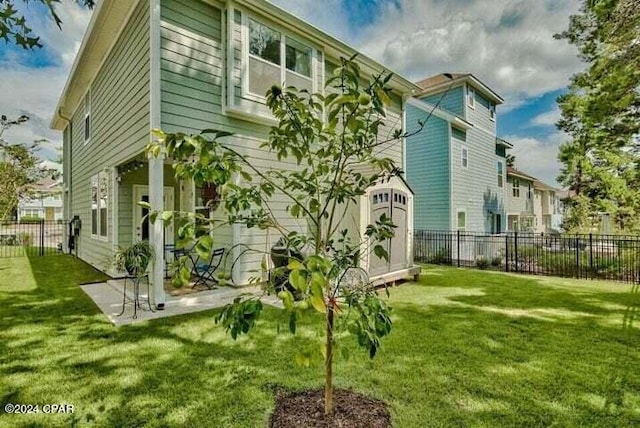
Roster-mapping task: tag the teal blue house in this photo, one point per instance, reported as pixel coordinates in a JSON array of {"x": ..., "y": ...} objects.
[{"x": 455, "y": 164}]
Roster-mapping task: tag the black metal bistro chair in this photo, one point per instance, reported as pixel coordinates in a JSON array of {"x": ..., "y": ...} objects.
[{"x": 204, "y": 271}]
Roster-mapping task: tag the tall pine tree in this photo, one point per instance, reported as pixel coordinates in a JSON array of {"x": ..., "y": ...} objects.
[{"x": 601, "y": 113}]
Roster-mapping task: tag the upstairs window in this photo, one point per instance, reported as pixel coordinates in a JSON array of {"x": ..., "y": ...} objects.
[
  {"x": 492, "y": 112},
  {"x": 465, "y": 158},
  {"x": 500, "y": 174},
  {"x": 267, "y": 49},
  {"x": 471, "y": 97},
  {"x": 87, "y": 117},
  {"x": 516, "y": 188}
]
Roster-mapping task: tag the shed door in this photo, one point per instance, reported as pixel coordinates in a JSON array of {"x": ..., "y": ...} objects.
[
  {"x": 380, "y": 201},
  {"x": 398, "y": 245}
]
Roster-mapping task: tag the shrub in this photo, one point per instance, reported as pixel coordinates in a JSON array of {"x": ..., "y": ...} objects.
[
  {"x": 482, "y": 263},
  {"x": 30, "y": 219},
  {"x": 496, "y": 261},
  {"x": 439, "y": 257}
]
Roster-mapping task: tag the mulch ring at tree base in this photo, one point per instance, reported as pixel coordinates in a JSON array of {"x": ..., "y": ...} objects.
[{"x": 350, "y": 409}]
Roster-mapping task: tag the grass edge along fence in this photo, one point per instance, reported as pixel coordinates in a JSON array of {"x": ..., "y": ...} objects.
[
  {"x": 42, "y": 237},
  {"x": 582, "y": 256}
]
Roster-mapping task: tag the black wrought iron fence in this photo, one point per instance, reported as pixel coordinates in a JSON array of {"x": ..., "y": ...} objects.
[
  {"x": 588, "y": 256},
  {"x": 33, "y": 237}
]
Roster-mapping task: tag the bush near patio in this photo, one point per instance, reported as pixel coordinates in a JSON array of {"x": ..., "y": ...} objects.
[{"x": 469, "y": 348}]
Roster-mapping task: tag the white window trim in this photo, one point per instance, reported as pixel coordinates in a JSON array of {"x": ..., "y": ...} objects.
[
  {"x": 464, "y": 156},
  {"x": 98, "y": 236},
  {"x": 471, "y": 100},
  {"x": 492, "y": 112},
  {"x": 87, "y": 114},
  {"x": 515, "y": 185},
  {"x": 458, "y": 228},
  {"x": 283, "y": 60}
]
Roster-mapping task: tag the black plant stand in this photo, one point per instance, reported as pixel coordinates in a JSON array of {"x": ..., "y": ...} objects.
[{"x": 135, "y": 280}]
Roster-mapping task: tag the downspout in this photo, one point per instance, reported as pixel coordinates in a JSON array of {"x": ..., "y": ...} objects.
[
  {"x": 70, "y": 125},
  {"x": 69, "y": 193}
]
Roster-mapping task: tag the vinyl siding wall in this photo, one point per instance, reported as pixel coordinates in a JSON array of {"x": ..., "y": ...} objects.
[
  {"x": 480, "y": 115},
  {"x": 475, "y": 188},
  {"x": 522, "y": 204},
  {"x": 453, "y": 101},
  {"x": 192, "y": 82},
  {"x": 119, "y": 128},
  {"x": 428, "y": 169}
]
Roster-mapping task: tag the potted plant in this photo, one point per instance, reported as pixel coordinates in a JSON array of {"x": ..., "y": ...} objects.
[{"x": 135, "y": 258}]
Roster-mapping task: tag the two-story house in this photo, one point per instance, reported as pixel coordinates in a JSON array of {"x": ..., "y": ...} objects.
[
  {"x": 44, "y": 201},
  {"x": 520, "y": 201},
  {"x": 455, "y": 164},
  {"x": 547, "y": 208},
  {"x": 189, "y": 65}
]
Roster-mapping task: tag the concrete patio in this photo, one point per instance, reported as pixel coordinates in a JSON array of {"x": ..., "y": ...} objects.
[{"x": 108, "y": 296}]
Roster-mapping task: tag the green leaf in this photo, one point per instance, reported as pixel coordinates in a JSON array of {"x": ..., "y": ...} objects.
[
  {"x": 204, "y": 246},
  {"x": 295, "y": 265},
  {"x": 318, "y": 303},
  {"x": 381, "y": 253}
]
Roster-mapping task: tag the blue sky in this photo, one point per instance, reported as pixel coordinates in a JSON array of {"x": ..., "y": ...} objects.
[{"x": 508, "y": 44}]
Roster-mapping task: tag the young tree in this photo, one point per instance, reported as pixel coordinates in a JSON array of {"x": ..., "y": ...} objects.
[
  {"x": 19, "y": 167},
  {"x": 511, "y": 161},
  {"x": 13, "y": 24},
  {"x": 601, "y": 113},
  {"x": 334, "y": 141}
]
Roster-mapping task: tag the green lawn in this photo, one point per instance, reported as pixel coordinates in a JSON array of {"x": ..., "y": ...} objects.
[{"x": 468, "y": 348}]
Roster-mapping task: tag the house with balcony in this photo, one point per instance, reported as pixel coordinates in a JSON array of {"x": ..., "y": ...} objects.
[
  {"x": 455, "y": 163},
  {"x": 190, "y": 65}
]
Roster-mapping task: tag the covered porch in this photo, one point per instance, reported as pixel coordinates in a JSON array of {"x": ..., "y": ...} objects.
[{"x": 150, "y": 180}]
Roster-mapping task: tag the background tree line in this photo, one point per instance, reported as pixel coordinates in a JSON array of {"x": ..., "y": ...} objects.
[{"x": 601, "y": 114}]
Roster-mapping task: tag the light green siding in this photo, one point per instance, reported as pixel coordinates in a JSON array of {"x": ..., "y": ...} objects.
[
  {"x": 453, "y": 101},
  {"x": 119, "y": 127},
  {"x": 428, "y": 169}
]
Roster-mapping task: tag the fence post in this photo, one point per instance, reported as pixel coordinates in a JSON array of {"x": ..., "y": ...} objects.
[
  {"x": 458, "y": 246},
  {"x": 42, "y": 237},
  {"x": 577, "y": 256},
  {"x": 515, "y": 245},
  {"x": 591, "y": 273},
  {"x": 506, "y": 252}
]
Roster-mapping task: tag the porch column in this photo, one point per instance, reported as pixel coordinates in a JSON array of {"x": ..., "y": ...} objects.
[
  {"x": 156, "y": 229},
  {"x": 156, "y": 165}
]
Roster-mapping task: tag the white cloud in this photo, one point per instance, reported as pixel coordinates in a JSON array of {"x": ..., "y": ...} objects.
[
  {"x": 35, "y": 91},
  {"x": 538, "y": 156},
  {"x": 507, "y": 44},
  {"x": 548, "y": 118}
]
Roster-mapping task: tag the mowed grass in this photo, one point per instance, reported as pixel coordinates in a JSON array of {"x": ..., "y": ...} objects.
[{"x": 468, "y": 348}]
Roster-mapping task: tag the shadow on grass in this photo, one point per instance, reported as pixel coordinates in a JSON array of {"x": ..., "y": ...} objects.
[{"x": 448, "y": 362}]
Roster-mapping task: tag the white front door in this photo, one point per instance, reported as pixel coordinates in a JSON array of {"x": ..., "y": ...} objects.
[{"x": 140, "y": 219}]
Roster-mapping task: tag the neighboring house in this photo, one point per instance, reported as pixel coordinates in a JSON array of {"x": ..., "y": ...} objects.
[
  {"x": 456, "y": 165},
  {"x": 532, "y": 206},
  {"x": 520, "y": 207},
  {"x": 44, "y": 201},
  {"x": 547, "y": 207},
  {"x": 189, "y": 65}
]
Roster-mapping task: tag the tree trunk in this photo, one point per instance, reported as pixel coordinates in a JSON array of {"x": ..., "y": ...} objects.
[{"x": 328, "y": 363}]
